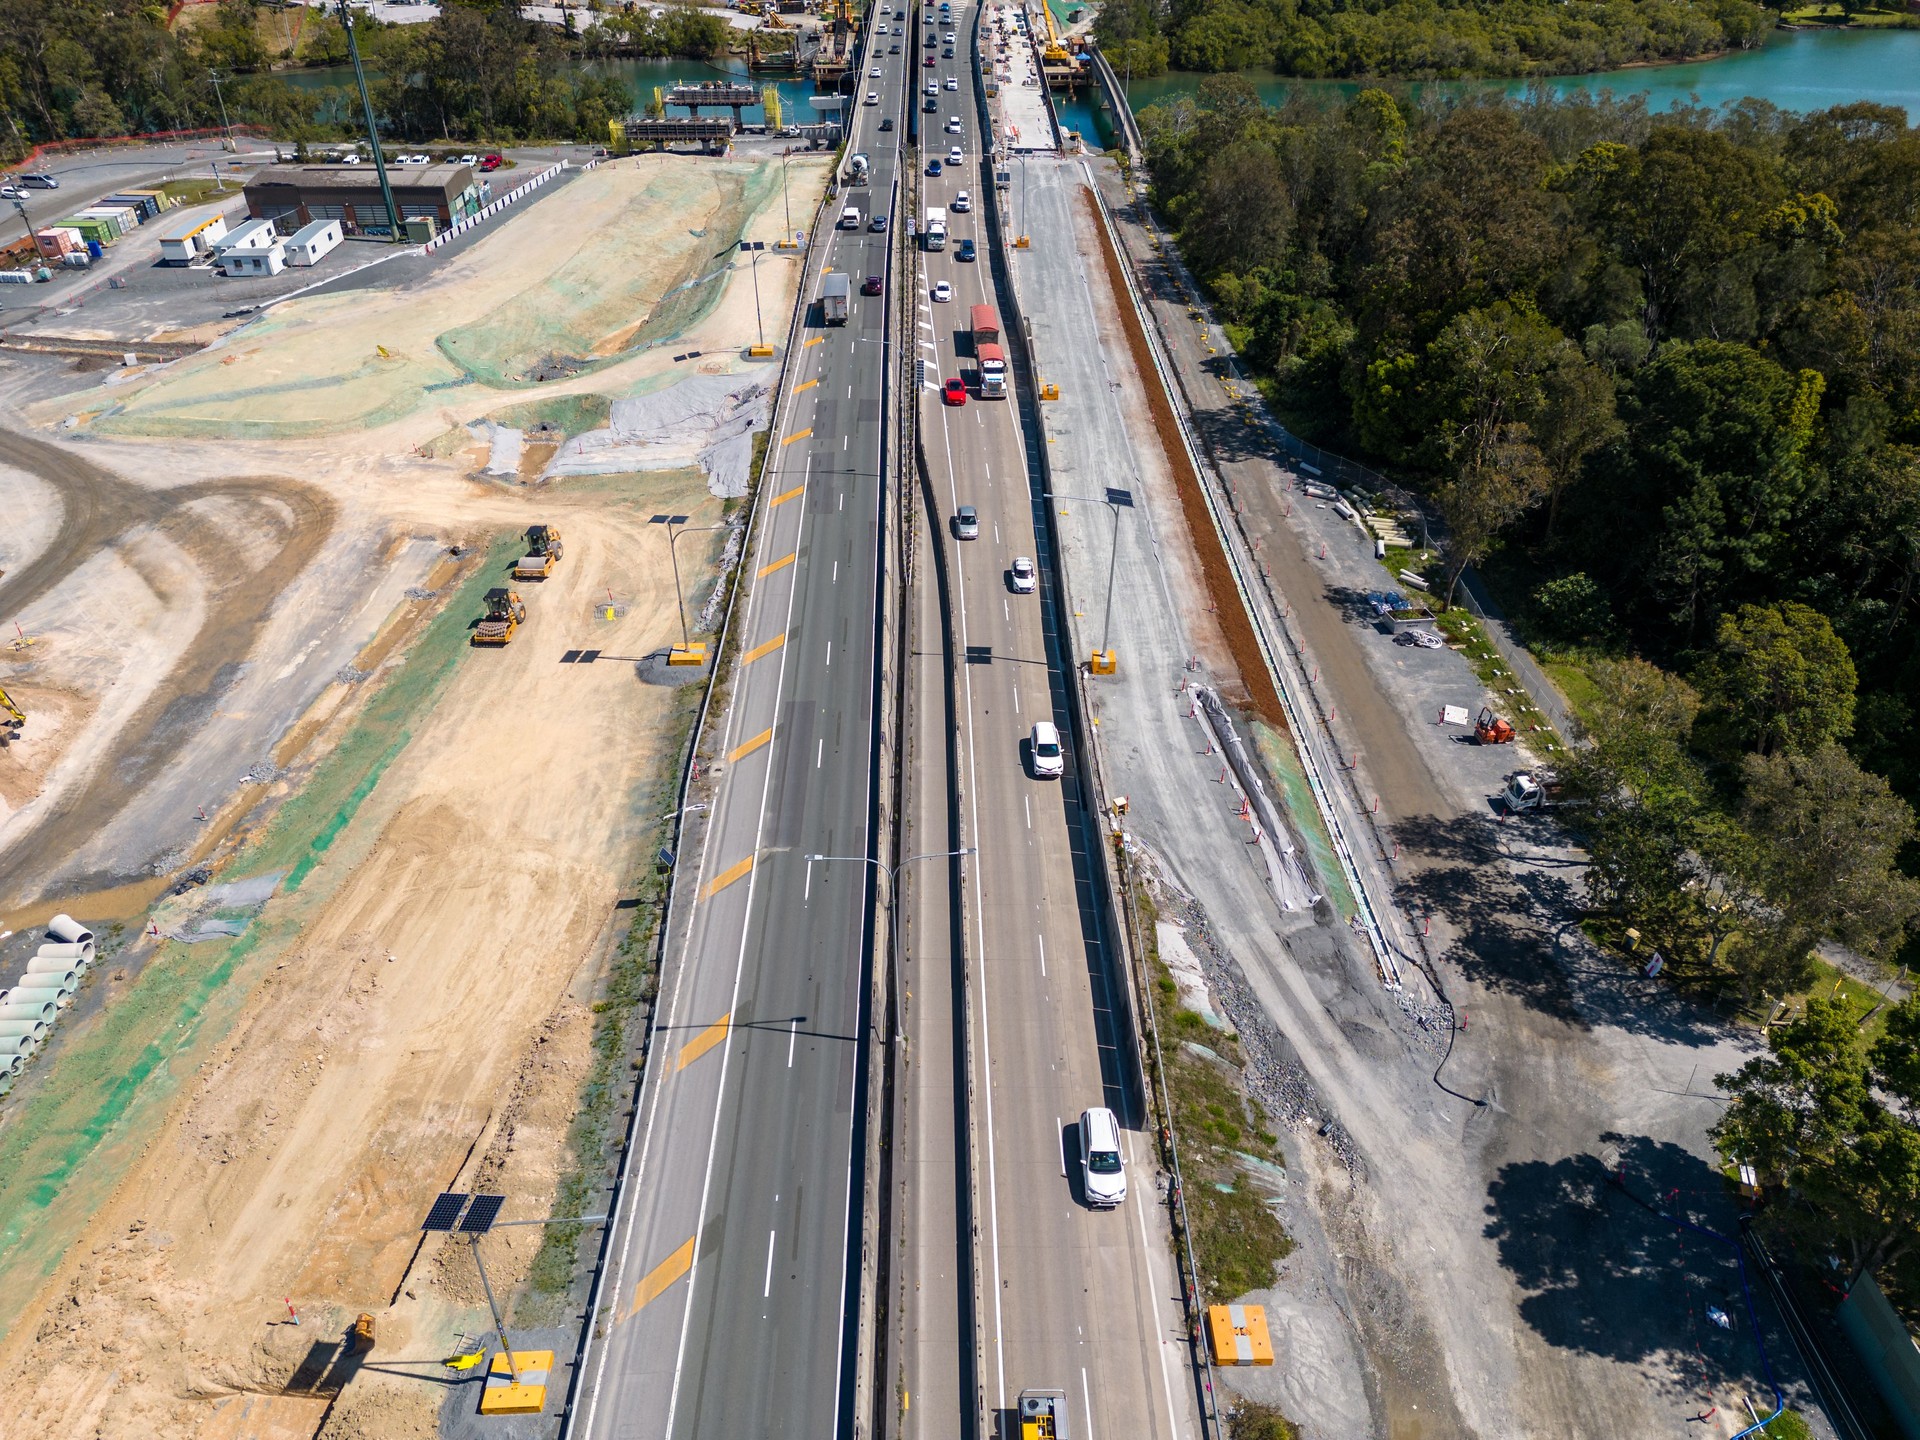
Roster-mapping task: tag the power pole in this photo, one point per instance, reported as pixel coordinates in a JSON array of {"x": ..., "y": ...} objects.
[
  {"x": 226, "y": 130},
  {"x": 373, "y": 130}
]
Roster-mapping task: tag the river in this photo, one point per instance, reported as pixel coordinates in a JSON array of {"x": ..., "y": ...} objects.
[{"x": 1796, "y": 69}]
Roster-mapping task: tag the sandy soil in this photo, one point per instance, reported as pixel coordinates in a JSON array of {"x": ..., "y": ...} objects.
[{"x": 414, "y": 1015}]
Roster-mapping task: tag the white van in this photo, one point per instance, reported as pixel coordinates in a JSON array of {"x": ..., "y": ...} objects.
[
  {"x": 1101, "y": 1169},
  {"x": 850, "y": 218}
]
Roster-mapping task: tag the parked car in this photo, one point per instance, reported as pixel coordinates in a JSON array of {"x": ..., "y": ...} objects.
[
  {"x": 12, "y": 192},
  {"x": 1021, "y": 576},
  {"x": 1049, "y": 761},
  {"x": 493, "y": 162}
]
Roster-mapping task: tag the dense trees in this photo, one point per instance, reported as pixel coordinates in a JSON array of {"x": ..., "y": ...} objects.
[
  {"x": 1422, "y": 38},
  {"x": 477, "y": 71}
]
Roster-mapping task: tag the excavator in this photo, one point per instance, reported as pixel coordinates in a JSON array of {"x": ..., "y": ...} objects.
[
  {"x": 14, "y": 716},
  {"x": 506, "y": 612},
  {"x": 543, "y": 553},
  {"x": 1490, "y": 729}
]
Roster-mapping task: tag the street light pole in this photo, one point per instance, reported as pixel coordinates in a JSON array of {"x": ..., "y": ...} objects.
[
  {"x": 893, "y": 919},
  {"x": 226, "y": 130},
  {"x": 1114, "y": 499},
  {"x": 676, "y": 527}
]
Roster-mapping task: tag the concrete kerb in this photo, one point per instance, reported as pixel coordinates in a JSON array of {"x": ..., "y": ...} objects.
[
  {"x": 669, "y": 911},
  {"x": 1284, "y": 662},
  {"x": 1117, "y": 916}
]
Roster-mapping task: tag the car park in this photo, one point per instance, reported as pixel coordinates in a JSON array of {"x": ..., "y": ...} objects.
[
  {"x": 965, "y": 251},
  {"x": 1049, "y": 762},
  {"x": 878, "y": 225},
  {"x": 954, "y": 392},
  {"x": 1021, "y": 576},
  {"x": 873, "y": 285},
  {"x": 942, "y": 291},
  {"x": 966, "y": 520},
  {"x": 1103, "y": 1174}
]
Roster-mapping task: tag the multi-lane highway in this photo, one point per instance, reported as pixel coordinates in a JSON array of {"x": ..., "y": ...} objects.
[
  {"x": 1069, "y": 1297},
  {"x": 728, "y": 1305}
]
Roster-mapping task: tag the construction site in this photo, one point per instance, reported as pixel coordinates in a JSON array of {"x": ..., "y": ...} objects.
[{"x": 354, "y": 846}]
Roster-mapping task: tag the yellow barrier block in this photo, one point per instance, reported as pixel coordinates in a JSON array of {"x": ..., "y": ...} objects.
[
  {"x": 1103, "y": 662},
  {"x": 529, "y": 1396},
  {"x": 1049, "y": 392},
  {"x": 759, "y": 352},
  {"x": 694, "y": 654},
  {"x": 1239, "y": 1335}
]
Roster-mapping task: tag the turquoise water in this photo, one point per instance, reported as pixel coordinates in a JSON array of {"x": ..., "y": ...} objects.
[
  {"x": 639, "y": 76},
  {"x": 1796, "y": 69}
]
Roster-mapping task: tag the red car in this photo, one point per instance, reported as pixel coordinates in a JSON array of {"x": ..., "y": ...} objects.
[
  {"x": 955, "y": 391},
  {"x": 492, "y": 162},
  {"x": 873, "y": 286},
  {"x": 929, "y": 62}
]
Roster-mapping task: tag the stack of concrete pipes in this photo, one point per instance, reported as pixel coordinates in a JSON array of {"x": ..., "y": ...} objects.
[{"x": 46, "y": 987}]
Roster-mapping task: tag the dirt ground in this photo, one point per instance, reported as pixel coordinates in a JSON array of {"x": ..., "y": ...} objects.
[{"x": 269, "y": 629}]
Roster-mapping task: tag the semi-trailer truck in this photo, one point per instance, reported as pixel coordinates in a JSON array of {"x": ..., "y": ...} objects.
[
  {"x": 987, "y": 354},
  {"x": 834, "y": 290}
]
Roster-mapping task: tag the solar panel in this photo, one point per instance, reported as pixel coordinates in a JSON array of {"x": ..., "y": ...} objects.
[
  {"x": 486, "y": 1209},
  {"x": 446, "y": 1209}
]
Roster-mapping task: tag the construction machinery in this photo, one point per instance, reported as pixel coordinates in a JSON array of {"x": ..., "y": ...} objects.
[
  {"x": 12, "y": 717},
  {"x": 506, "y": 613},
  {"x": 1043, "y": 1415},
  {"x": 543, "y": 553},
  {"x": 1490, "y": 729}
]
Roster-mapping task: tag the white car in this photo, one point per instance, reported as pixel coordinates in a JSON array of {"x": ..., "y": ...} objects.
[
  {"x": 953, "y": 82},
  {"x": 1049, "y": 763},
  {"x": 1103, "y": 1173},
  {"x": 942, "y": 291},
  {"x": 953, "y": 125},
  {"x": 933, "y": 87},
  {"x": 947, "y": 39},
  {"x": 962, "y": 203},
  {"x": 874, "y": 73},
  {"x": 1021, "y": 575},
  {"x": 873, "y": 97},
  {"x": 953, "y": 156},
  {"x": 12, "y": 192}
]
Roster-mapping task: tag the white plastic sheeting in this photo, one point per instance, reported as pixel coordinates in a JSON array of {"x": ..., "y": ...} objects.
[{"x": 706, "y": 421}]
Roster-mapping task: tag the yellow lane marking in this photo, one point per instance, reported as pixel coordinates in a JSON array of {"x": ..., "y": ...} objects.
[
  {"x": 780, "y": 564},
  {"x": 741, "y": 751},
  {"x": 704, "y": 1041},
  {"x": 797, "y": 435},
  {"x": 814, "y": 341},
  {"x": 782, "y": 499},
  {"x": 726, "y": 877},
  {"x": 805, "y": 385},
  {"x": 761, "y": 651},
  {"x": 655, "y": 1284}
]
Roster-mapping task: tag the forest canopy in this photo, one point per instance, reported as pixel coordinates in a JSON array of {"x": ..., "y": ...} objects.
[{"x": 1421, "y": 39}]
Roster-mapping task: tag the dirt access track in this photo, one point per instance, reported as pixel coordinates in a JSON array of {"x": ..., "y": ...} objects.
[{"x": 272, "y": 630}]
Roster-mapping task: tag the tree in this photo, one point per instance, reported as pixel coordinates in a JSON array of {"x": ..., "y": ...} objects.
[
  {"x": 1836, "y": 1124},
  {"x": 1781, "y": 679},
  {"x": 1833, "y": 835},
  {"x": 1501, "y": 479}
]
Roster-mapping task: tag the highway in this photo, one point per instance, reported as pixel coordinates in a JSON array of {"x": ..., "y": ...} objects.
[
  {"x": 1070, "y": 1298},
  {"x": 729, "y": 1303}
]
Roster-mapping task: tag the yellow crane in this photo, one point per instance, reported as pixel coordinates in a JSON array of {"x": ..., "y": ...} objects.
[{"x": 1055, "y": 53}]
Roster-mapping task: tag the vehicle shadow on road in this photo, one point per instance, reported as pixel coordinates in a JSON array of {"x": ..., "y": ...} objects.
[
  {"x": 1515, "y": 918},
  {"x": 1607, "y": 1276}
]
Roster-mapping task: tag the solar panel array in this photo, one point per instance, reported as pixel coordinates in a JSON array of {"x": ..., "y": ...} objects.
[
  {"x": 446, "y": 1210},
  {"x": 485, "y": 1210}
]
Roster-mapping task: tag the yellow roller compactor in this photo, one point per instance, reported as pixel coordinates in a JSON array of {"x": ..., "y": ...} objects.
[
  {"x": 543, "y": 553},
  {"x": 506, "y": 612}
]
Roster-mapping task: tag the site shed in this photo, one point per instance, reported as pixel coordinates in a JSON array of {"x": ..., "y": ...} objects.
[
  {"x": 186, "y": 240},
  {"x": 310, "y": 242},
  {"x": 262, "y": 254},
  {"x": 297, "y": 195},
  {"x": 247, "y": 233}
]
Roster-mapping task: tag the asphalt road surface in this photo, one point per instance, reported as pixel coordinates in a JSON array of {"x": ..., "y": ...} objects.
[
  {"x": 1071, "y": 1298},
  {"x": 729, "y": 1308}
]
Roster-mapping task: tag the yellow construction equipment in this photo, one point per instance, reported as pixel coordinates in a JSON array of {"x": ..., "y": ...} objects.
[
  {"x": 543, "y": 553},
  {"x": 506, "y": 612},
  {"x": 1055, "y": 53},
  {"x": 15, "y": 716}
]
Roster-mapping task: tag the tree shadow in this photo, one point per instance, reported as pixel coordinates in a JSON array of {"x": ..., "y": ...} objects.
[
  {"x": 1606, "y": 1276},
  {"x": 1516, "y": 922}
]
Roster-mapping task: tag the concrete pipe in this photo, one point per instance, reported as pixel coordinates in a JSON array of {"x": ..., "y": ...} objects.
[
  {"x": 66, "y": 982},
  {"x": 20, "y": 994},
  {"x": 56, "y": 971},
  {"x": 65, "y": 927},
  {"x": 19, "y": 1044},
  {"x": 11, "y": 1065},
  {"x": 23, "y": 1025},
  {"x": 80, "y": 952},
  {"x": 12, "y": 1009}
]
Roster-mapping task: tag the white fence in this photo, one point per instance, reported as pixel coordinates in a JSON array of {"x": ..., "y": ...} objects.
[{"x": 494, "y": 207}]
